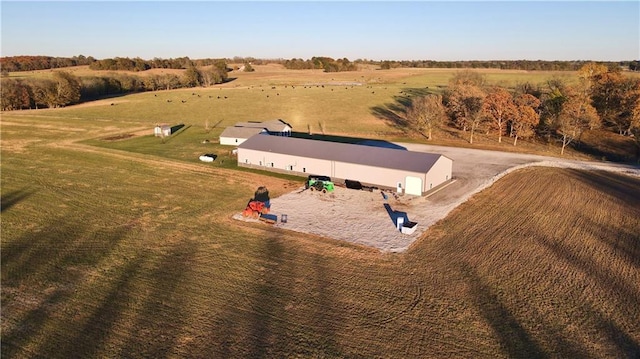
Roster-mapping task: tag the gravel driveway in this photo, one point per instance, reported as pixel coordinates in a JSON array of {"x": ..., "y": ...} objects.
[{"x": 368, "y": 218}]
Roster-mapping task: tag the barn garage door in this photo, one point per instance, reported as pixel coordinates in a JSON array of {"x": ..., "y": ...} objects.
[{"x": 413, "y": 185}]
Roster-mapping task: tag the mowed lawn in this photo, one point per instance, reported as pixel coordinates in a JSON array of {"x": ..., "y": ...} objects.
[{"x": 111, "y": 253}]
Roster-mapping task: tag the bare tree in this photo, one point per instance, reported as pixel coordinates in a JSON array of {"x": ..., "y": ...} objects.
[
  {"x": 426, "y": 113},
  {"x": 468, "y": 77},
  {"x": 321, "y": 126}
]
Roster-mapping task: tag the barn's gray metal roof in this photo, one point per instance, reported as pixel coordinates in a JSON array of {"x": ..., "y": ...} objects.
[
  {"x": 241, "y": 132},
  {"x": 420, "y": 162},
  {"x": 271, "y": 126}
]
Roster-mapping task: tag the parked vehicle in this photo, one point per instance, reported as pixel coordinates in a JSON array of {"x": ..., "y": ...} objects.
[
  {"x": 259, "y": 205},
  {"x": 319, "y": 183}
]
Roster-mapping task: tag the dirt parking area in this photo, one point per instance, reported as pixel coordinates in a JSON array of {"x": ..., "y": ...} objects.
[{"x": 368, "y": 218}]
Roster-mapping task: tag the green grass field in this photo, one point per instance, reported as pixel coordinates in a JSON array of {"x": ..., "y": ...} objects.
[{"x": 126, "y": 248}]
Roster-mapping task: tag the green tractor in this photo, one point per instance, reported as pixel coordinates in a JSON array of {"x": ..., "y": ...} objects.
[{"x": 319, "y": 183}]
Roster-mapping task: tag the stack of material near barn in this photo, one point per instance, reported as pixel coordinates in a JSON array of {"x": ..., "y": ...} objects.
[{"x": 269, "y": 218}]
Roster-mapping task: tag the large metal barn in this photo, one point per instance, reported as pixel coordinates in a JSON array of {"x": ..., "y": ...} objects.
[{"x": 408, "y": 172}]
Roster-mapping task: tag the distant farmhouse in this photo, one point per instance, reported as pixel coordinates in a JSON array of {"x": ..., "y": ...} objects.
[
  {"x": 408, "y": 172},
  {"x": 241, "y": 131}
]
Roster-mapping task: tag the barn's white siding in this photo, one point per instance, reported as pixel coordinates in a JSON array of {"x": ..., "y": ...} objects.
[
  {"x": 439, "y": 173},
  {"x": 231, "y": 141},
  {"x": 235, "y": 136}
]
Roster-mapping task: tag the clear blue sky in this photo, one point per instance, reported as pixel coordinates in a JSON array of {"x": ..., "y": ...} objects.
[{"x": 417, "y": 30}]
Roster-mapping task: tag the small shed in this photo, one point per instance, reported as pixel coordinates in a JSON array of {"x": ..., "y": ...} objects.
[{"x": 162, "y": 130}]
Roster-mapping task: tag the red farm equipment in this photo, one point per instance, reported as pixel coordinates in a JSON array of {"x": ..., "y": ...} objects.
[
  {"x": 255, "y": 209},
  {"x": 258, "y": 205}
]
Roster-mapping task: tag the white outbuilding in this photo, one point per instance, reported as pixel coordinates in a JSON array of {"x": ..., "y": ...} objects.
[
  {"x": 162, "y": 130},
  {"x": 408, "y": 172},
  {"x": 234, "y": 136},
  {"x": 237, "y": 134}
]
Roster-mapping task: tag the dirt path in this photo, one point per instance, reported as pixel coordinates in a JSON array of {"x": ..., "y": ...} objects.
[{"x": 361, "y": 217}]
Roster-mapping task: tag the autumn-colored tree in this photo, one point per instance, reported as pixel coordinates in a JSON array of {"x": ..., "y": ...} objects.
[
  {"x": 614, "y": 97},
  {"x": 635, "y": 130},
  {"x": 465, "y": 103},
  {"x": 67, "y": 89},
  {"x": 151, "y": 83},
  {"x": 216, "y": 74},
  {"x": 169, "y": 81},
  {"x": 14, "y": 95},
  {"x": 629, "y": 116},
  {"x": 62, "y": 90},
  {"x": 525, "y": 117},
  {"x": 552, "y": 98},
  {"x": 498, "y": 107},
  {"x": 44, "y": 93},
  {"x": 426, "y": 113},
  {"x": 590, "y": 71},
  {"x": 576, "y": 115},
  {"x": 192, "y": 77}
]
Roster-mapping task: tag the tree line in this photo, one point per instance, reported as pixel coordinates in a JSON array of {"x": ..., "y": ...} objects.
[
  {"x": 528, "y": 65},
  {"x": 325, "y": 63},
  {"x": 138, "y": 64},
  {"x": 602, "y": 98},
  {"x": 65, "y": 89},
  {"x": 30, "y": 63}
]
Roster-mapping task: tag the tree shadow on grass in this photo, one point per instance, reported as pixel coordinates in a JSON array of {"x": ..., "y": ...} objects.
[
  {"x": 98, "y": 327},
  {"x": 273, "y": 328},
  {"x": 10, "y": 199},
  {"x": 46, "y": 258},
  {"x": 160, "y": 316},
  {"x": 624, "y": 241},
  {"x": 48, "y": 251},
  {"x": 627, "y": 345},
  {"x": 394, "y": 119},
  {"x": 514, "y": 339},
  {"x": 623, "y": 294},
  {"x": 16, "y": 338},
  {"x": 395, "y": 113},
  {"x": 53, "y": 258},
  {"x": 268, "y": 296},
  {"x": 610, "y": 150},
  {"x": 625, "y": 189},
  {"x": 622, "y": 290}
]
